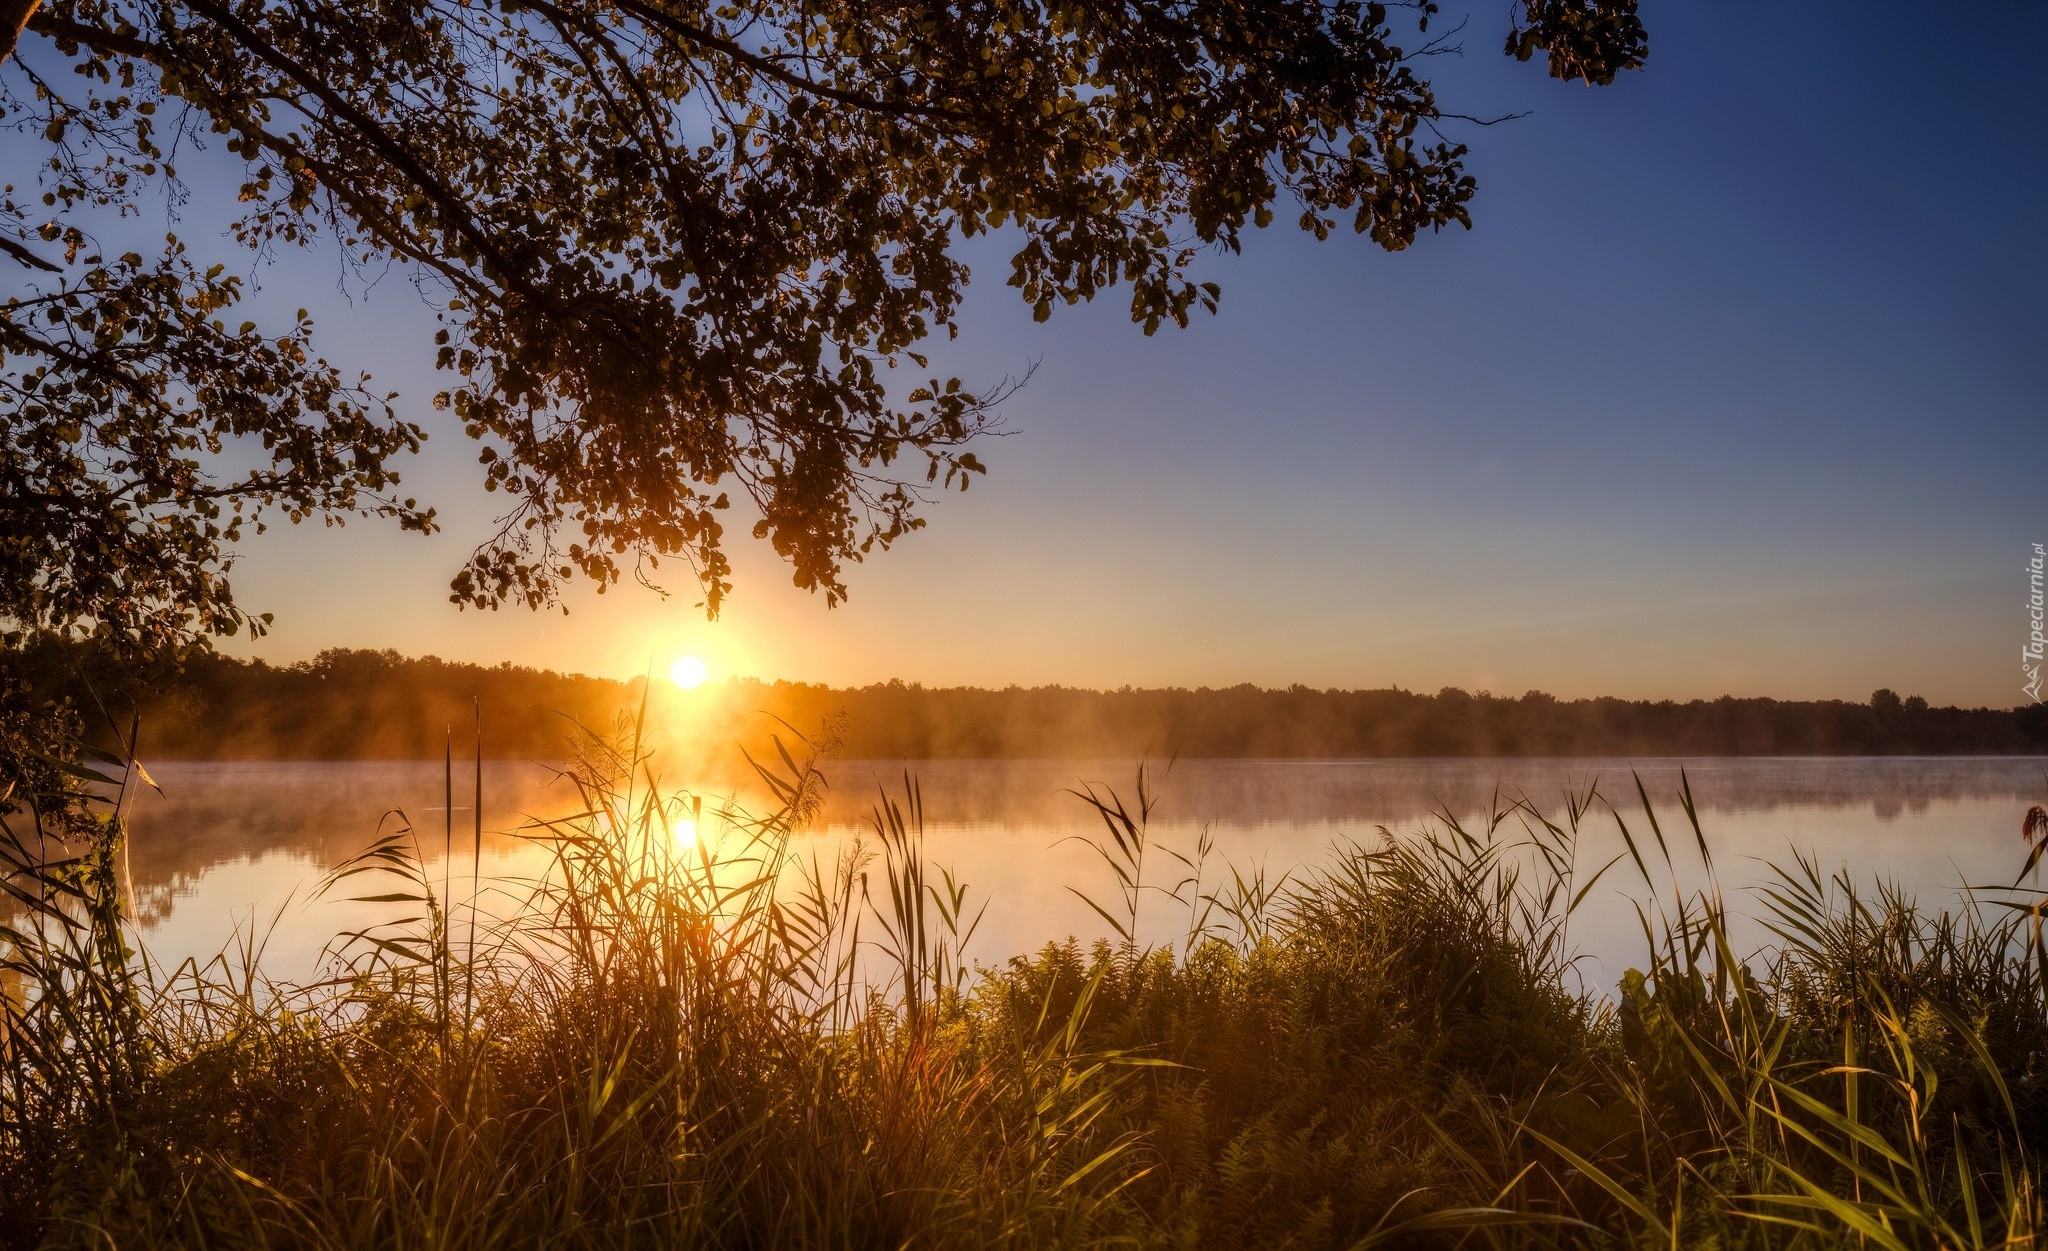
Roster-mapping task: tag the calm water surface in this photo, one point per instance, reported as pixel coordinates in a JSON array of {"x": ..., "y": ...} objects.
[{"x": 231, "y": 851}]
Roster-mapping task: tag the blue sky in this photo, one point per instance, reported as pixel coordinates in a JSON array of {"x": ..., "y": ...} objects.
[{"x": 1737, "y": 386}]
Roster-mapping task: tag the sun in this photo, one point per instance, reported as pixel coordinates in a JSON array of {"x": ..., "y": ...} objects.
[{"x": 689, "y": 673}]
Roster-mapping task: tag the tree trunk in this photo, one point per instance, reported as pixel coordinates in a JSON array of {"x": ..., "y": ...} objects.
[{"x": 14, "y": 15}]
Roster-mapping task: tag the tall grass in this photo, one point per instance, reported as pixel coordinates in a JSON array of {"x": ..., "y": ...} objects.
[{"x": 693, "y": 1028}]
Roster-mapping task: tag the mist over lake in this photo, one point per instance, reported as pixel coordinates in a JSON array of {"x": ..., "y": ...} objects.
[{"x": 228, "y": 844}]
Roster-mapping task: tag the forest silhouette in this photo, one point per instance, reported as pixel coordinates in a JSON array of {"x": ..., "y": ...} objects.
[{"x": 367, "y": 705}]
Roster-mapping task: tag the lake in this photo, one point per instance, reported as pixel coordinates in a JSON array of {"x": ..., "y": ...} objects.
[{"x": 230, "y": 850}]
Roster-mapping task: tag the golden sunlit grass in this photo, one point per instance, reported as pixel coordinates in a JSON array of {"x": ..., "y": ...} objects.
[{"x": 697, "y": 1033}]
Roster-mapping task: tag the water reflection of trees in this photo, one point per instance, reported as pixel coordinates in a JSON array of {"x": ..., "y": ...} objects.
[
  {"x": 211, "y": 814},
  {"x": 1254, "y": 792},
  {"x": 216, "y": 813}
]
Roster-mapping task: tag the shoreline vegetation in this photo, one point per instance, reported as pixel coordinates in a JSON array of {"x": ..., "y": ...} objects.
[
  {"x": 370, "y": 705},
  {"x": 695, "y": 1033}
]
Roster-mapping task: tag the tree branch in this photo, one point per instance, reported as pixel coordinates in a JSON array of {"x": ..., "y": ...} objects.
[
  {"x": 14, "y": 15},
  {"x": 95, "y": 37},
  {"x": 27, "y": 257},
  {"x": 455, "y": 213},
  {"x": 691, "y": 34}
]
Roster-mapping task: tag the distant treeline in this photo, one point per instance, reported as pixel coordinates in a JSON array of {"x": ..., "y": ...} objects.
[
  {"x": 355, "y": 705},
  {"x": 342, "y": 705},
  {"x": 895, "y": 719}
]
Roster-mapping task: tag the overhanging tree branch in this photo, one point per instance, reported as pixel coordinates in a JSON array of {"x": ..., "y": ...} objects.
[
  {"x": 674, "y": 244},
  {"x": 14, "y": 15}
]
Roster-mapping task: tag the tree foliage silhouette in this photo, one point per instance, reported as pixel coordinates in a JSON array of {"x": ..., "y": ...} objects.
[{"x": 676, "y": 248}]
